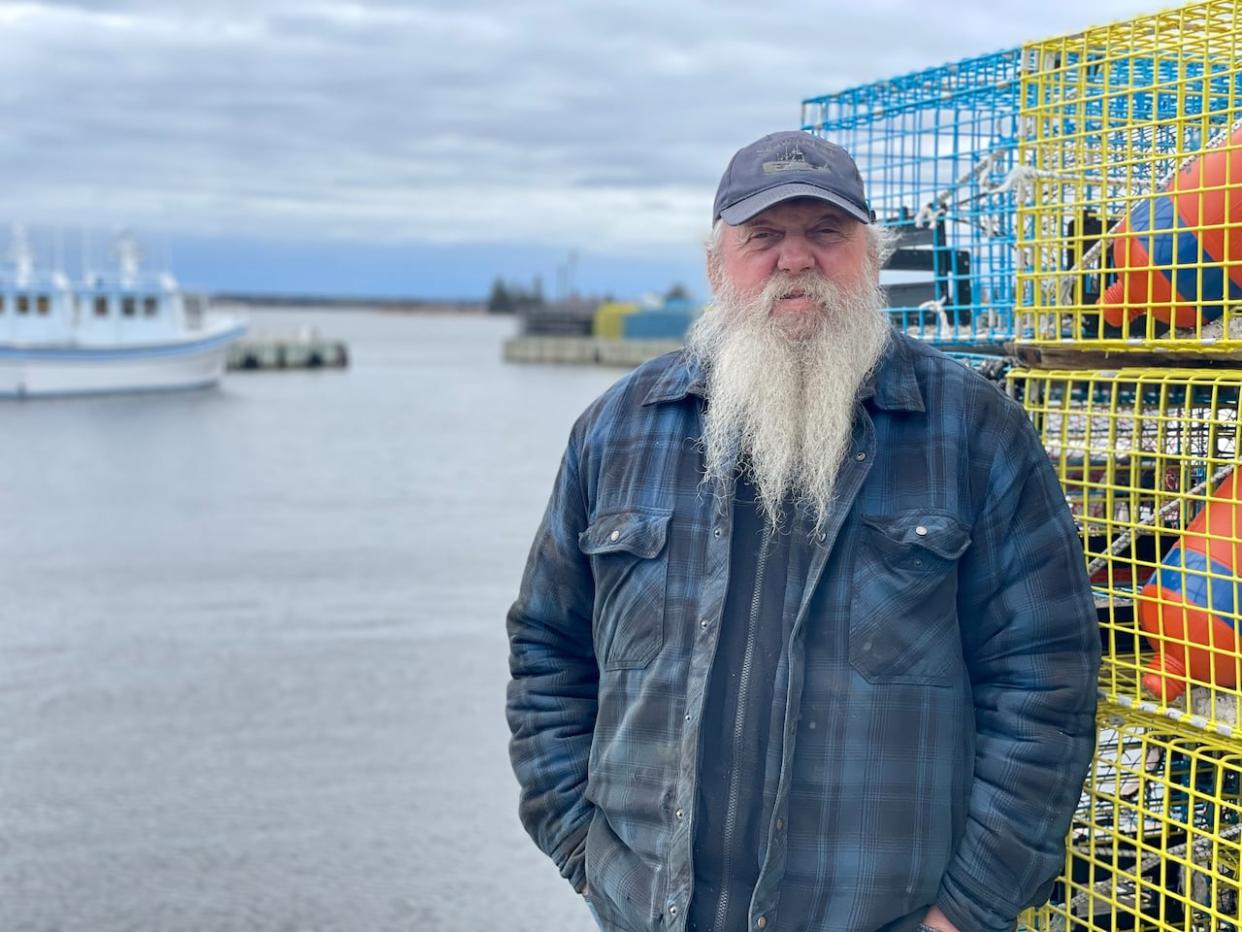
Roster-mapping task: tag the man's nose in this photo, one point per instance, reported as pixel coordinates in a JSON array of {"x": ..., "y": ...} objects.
[{"x": 796, "y": 255}]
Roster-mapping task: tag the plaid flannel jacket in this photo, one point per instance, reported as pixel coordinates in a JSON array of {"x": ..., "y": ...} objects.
[{"x": 937, "y": 694}]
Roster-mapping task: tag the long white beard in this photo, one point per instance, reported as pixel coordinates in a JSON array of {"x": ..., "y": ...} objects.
[{"x": 781, "y": 391}]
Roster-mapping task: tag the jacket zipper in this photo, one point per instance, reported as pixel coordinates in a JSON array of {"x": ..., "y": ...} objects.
[{"x": 743, "y": 688}]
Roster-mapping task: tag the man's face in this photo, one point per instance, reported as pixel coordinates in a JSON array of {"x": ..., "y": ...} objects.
[{"x": 795, "y": 237}]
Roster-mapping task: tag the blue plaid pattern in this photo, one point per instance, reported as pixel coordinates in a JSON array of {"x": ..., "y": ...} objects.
[{"x": 937, "y": 694}]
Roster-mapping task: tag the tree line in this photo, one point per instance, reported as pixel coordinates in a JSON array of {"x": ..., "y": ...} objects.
[{"x": 511, "y": 297}]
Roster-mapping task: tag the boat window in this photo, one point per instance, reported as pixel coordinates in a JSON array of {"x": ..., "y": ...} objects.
[
  {"x": 101, "y": 306},
  {"x": 23, "y": 304},
  {"x": 149, "y": 306},
  {"x": 128, "y": 307},
  {"x": 43, "y": 304}
]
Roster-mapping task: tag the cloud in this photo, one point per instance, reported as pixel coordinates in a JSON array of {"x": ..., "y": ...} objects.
[{"x": 603, "y": 125}]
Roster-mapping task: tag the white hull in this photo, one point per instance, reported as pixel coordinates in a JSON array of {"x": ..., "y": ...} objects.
[{"x": 44, "y": 371}]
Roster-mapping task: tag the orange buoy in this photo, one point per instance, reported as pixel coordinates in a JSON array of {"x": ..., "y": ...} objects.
[
  {"x": 1189, "y": 616},
  {"x": 1158, "y": 248}
]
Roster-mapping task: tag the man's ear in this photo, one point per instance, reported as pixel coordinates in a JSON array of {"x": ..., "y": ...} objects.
[{"x": 713, "y": 270}]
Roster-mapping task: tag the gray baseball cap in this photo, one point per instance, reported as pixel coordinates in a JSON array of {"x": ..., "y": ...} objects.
[{"x": 787, "y": 165}]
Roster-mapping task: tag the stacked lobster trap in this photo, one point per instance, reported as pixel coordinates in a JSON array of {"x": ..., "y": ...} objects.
[
  {"x": 1149, "y": 462},
  {"x": 936, "y": 149},
  {"x": 1077, "y": 203},
  {"x": 1128, "y": 183}
]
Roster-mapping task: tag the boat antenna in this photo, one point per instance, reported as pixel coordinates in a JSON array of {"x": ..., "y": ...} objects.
[
  {"x": 128, "y": 258},
  {"x": 21, "y": 254}
]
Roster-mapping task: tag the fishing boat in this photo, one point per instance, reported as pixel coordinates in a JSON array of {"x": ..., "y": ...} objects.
[{"x": 109, "y": 333}]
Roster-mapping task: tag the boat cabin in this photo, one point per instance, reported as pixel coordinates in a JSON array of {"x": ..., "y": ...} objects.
[{"x": 49, "y": 310}]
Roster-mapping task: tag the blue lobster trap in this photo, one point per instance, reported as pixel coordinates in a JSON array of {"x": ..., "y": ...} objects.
[{"x": 937, "y": 151}]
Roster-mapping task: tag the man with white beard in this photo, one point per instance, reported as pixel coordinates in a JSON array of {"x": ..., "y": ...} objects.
[
  {"x": 784, "y": 360},
  {"x": 805, "y": 639}
]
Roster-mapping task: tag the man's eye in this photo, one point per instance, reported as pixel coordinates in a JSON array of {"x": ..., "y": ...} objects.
[{"x": 830, "y": 232}]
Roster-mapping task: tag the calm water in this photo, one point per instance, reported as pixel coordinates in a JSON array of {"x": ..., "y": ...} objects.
[{"x": 252, "y": 652}]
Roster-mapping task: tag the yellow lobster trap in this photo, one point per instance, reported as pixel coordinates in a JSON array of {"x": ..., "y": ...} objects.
[
  {"x": 1149, "y": 460},
  {"x": 1129, "y": 225},
  {"x": 1156, "y": 841}
]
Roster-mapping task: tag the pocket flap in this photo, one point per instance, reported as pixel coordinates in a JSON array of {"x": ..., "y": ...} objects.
[
  {"x": 942, "y": 534},
  {"x": 641, "y": 532}
]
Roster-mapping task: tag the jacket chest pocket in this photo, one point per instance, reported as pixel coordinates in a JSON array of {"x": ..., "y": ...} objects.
[
  {"x": 903, "y": 617},
  {"x": 630, "y": 565}
]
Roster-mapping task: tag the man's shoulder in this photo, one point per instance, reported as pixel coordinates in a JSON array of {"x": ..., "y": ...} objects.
[
  {"x": 961, "y": 403},
  {"x": 943, "y": 379},
  {"x": 927, "y": 358},
  {"x": 664, "y": 371}
]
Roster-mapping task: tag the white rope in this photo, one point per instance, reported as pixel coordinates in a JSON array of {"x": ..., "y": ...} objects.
[
  {"x": 1020, "y": 178},
  {"x": 938, "y": 206},
  {"x": 1148, "y": 525},
  {"x": 928, "y": 214},
  {"x": 936, "y": 305}
]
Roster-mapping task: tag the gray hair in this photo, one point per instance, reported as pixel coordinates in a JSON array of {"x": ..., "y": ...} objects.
[{"x": 883, "y": 242}]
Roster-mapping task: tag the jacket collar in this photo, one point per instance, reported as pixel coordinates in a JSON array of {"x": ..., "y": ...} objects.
[
  {"x": 893, "y": 385},
  {"x": 683, "y": 378}
]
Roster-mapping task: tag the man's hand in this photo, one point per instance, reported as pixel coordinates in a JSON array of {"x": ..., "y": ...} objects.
[
  {"x": 937, "y": 920},
  {"x": 585, "y": 891}
]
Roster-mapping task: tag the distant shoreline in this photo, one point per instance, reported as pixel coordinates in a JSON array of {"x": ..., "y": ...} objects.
[{"x": 390, "y": 305}]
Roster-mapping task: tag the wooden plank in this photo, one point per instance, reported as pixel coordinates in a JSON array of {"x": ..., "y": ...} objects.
[{"x": 1083, "y": 356}]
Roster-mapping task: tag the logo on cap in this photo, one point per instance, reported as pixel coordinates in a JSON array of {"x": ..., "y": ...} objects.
[{"x": 793, "y": 161}]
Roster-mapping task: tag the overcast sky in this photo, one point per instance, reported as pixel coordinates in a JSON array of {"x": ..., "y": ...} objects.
[{"x": 425, "y": 147}]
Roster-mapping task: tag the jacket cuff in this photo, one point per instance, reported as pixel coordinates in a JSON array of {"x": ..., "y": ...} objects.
[
  {"x": 573, "y": 863},
  {"x": 971, "y": 908}
]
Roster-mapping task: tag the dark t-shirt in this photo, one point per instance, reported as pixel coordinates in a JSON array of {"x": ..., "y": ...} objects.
[{"x": 729, "y": 834}]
